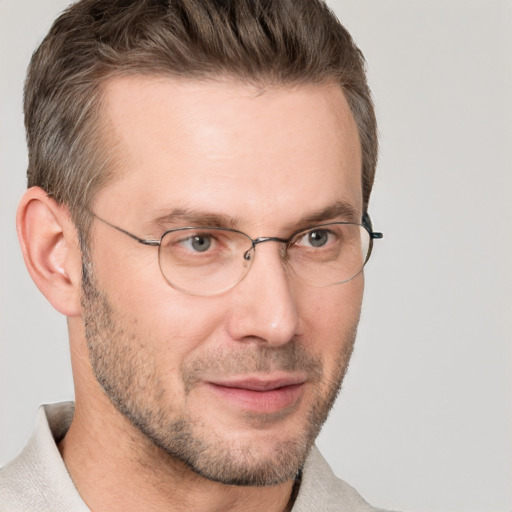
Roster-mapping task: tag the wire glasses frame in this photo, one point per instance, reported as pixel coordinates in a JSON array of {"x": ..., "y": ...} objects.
[{"x": 209, "y": 261}]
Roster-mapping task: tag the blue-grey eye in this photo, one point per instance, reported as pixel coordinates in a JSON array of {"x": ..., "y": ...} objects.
[
  {"x": 317, "y": 237},
  {"x": 197, "y": 243}
]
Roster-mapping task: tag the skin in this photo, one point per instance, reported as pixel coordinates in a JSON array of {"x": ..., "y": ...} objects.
[{"x": 264, "y": 159}]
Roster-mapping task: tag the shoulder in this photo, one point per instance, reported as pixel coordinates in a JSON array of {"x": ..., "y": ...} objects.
[
  {"x": 322, "y": 491},
  {"x": 37, "y": 479}
]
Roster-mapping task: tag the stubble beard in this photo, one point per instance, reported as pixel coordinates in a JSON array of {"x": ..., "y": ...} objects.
[{"x": 126, "y": 370}]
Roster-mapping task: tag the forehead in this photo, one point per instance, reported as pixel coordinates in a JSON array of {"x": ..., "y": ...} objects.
[{"x": 231, "y": 148}]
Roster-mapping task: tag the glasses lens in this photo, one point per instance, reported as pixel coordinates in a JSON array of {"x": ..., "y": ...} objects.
[
  {"x": 204, "y": 261},
  {"x": 210, "y": 261},
  {"x": 329, "y": 254}
]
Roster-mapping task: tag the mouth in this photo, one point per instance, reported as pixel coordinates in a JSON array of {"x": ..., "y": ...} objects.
[{"x": 260, "y": 395}]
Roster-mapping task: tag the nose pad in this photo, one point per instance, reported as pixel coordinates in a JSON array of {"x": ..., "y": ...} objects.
[{"x": 249, "y": 254}]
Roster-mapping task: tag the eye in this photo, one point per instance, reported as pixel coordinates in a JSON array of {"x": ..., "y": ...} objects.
[
  {"x": 197, "y": 243},
  {"x": 315, "y": 238}
]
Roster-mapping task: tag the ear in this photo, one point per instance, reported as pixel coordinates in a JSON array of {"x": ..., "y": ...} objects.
[{"x": 49, "y": 243}]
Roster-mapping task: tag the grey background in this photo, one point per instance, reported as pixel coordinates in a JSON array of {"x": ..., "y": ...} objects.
[{"x": 424, "y": 420}]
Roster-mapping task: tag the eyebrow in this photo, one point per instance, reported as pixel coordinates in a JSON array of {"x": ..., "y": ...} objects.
[
  {"x": 185, "y": 217},
  {"x": 340, "y": 210}
]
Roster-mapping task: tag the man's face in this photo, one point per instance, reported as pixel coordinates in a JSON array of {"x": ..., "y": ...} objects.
[{"x": 235, "y": 385}]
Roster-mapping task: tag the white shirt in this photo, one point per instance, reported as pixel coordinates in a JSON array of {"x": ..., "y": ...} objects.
[{"x": 38, "y": 481}]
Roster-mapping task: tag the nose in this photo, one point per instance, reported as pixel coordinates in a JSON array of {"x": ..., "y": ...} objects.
[{"x": 264, "y": 306}]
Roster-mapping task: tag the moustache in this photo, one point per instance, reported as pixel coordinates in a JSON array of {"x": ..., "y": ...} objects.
[{"x": 221, "y": 362}]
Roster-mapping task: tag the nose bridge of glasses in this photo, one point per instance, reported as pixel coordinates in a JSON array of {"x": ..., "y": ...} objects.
[{"x": 260, "y": 240}]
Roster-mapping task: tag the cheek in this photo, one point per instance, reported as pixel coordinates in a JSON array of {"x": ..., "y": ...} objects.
[
  {"x": 168, "y": 323},
  {"x": 330, "y": 318}
]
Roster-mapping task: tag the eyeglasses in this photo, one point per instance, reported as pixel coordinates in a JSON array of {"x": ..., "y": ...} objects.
[{"x": 209, "y": 260}]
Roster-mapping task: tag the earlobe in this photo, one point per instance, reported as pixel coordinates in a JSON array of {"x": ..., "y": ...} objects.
[{"x": 50, "y": 249}]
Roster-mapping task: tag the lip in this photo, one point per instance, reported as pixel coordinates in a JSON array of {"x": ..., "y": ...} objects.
[{"x": 260, "y": 395}]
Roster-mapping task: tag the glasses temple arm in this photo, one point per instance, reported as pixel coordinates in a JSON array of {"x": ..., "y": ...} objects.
[
  {"x": 367, "y": 223},
  {"x": 131, "y": 235}
]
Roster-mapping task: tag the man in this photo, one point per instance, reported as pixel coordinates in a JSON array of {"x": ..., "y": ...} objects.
[{"x": 199, "y": 177}]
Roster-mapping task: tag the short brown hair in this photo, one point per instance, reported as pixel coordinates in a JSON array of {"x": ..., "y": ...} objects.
[{"x": 262, "y": 41}]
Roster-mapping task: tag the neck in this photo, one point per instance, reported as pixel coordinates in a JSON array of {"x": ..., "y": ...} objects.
[{"x": 116, "y": 468}]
